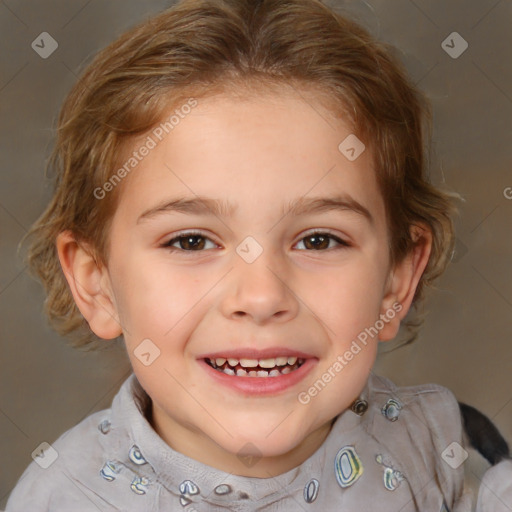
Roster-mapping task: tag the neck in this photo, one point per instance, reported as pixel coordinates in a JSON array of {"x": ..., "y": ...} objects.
[{"x": 198, "y": 446}]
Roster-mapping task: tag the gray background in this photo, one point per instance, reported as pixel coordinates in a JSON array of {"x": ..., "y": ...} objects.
[{"x": 46, "y": 387}]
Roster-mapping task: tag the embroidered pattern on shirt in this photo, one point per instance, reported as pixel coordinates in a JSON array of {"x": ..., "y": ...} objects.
[
  {"x": 110, "y": 470},
  {"x": 187, "y": 489},
  {"x": 104, "y": 427},
  {"x": 347, "y": 466},
  {"x": 391, "y": 409},
  {"x": 311, "y": 490},
  {"x": 222, "y": 489},
  {"x": 391, "y": 477},
  {"x": 139, "y": 484},
  {"x": 135, "y": 456}
]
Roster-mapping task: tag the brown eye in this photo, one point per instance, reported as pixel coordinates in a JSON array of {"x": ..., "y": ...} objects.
[
  {"x": 320, "y": 241},
  {"x": 189, "y": 242},
  {"x": 193, "y": 242},
  {"x": 317, "y": 242}
]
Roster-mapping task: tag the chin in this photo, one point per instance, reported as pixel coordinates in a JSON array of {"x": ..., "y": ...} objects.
[{"x": 260, "y": 444}]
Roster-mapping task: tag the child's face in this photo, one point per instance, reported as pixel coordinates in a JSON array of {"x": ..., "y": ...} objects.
[{"x": 258, "y": 155}]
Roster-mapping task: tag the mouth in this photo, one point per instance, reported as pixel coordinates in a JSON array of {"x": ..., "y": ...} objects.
[
  {"x": 268, "y": 367},
  {"x": 258, "y": 372}
]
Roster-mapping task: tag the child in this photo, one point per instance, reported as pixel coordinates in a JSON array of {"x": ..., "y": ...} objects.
[{"x": 241, "y": 195}]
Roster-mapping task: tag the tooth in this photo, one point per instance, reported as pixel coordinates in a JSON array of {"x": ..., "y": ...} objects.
[
  {"x": 286, "y": 370},
  {"x": 229, "y": 371},
  {"x": 248, "y": 362},
  {"x": 274, "y": 373},
  {"x": 292, "y": 360},
  {"x": 253, "y": 373},
  {"x": 241, "y": 373},
  {"x": 267, "y": 363},
  {"x": 220, "y": 361},
  {"x": 232, "y": 362},
  {"x": 281, "y": 361},
  {"x": 262, "y": 373}
]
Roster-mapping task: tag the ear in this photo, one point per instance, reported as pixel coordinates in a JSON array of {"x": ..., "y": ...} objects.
[
  {"x": 403, "y": 281},
  {"x": 90, "y": 285}
]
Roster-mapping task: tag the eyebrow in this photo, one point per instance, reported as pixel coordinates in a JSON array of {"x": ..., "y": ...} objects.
[{"x": 207, "y": 206}]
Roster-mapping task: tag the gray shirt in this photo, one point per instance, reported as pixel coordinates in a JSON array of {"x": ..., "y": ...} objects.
[
  {"x": 496, "y": 489},
  {"x": 403, "y": 454}
]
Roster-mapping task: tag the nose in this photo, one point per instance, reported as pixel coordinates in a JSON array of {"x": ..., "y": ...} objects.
[{"x": 260, "y": 292}]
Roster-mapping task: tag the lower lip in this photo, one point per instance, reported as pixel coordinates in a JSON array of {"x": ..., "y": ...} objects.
[{"x": 261, "y": 385}]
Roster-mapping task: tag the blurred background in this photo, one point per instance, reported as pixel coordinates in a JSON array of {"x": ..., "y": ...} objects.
[{"x": 47, "y": 388}]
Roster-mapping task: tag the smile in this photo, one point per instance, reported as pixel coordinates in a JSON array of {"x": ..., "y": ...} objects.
[{"x": 269, "y": 367}]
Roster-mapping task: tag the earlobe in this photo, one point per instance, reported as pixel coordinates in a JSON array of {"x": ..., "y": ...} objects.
[
  {"x": 404, "y": 280},
  {"x": 89, "y": 283}
]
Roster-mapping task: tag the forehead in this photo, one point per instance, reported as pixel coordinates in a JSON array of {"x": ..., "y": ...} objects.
[{"x": 257, "y": 152}]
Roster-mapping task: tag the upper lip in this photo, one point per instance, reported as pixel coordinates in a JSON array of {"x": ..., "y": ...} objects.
[{"x": 252, "y": 353}]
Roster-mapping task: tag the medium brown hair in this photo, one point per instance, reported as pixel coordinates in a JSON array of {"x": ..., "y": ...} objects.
[{"x": 199, "y": 47}]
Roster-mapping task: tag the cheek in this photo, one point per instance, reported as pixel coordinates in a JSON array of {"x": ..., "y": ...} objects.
[
  {"x": 154, "y": 297},
  {"x": 349, "y": 299}
]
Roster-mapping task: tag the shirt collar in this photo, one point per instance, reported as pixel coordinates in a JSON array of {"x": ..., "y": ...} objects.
[{"x": 130, "y": 427}]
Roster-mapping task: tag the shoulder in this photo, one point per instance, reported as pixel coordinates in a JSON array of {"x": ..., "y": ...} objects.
[
  {"x": 430, "y": 417},
  {"x": 422, "y": 427},
  {"x": 495, "y": 494},
  {"x": 55, "y": 477},
  {"x": 431, "y": 404},
  {"x": 433, "y": 395}
]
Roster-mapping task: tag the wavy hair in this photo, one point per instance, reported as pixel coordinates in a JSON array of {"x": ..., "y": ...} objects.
[{"x": 198, "y": 47}]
